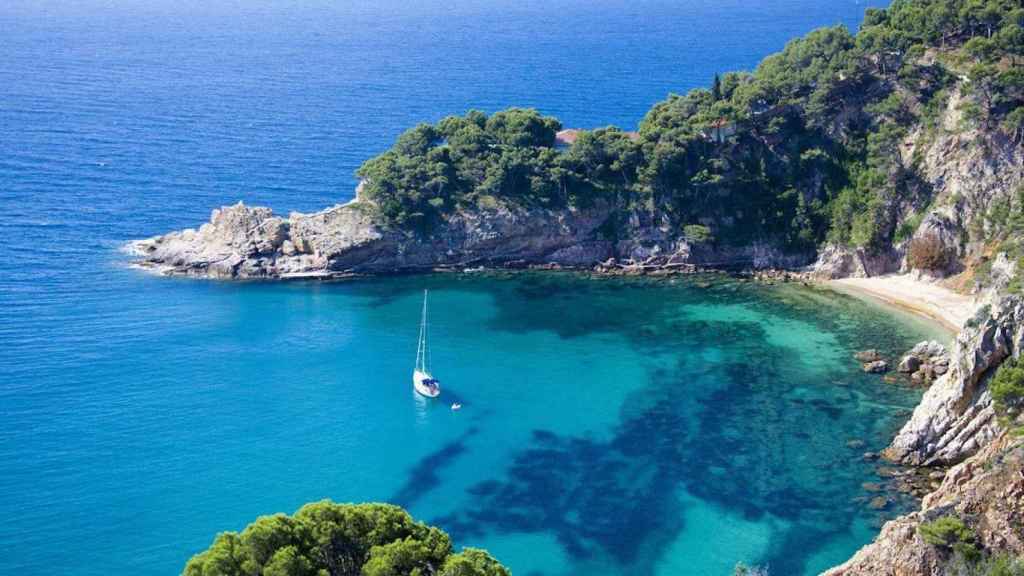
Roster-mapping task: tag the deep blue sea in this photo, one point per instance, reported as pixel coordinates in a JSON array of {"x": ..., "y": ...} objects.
[{"x": 609, "y": 427}]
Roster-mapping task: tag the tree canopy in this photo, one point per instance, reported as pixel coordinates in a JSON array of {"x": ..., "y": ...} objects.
[
  {"x": 803, "y": 149},
  {"x": 329, "y": 539}
]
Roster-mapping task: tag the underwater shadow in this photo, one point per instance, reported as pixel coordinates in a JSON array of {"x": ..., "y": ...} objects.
[{"x": 423, "y": 477}]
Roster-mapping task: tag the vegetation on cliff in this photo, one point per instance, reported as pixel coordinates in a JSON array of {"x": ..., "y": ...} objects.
[
  {"x": 951, "y": 535},
  {"x": 804, "y": 149},
  {"x": 329, "y": 539},
  {"x": 1007, "y": 388}
]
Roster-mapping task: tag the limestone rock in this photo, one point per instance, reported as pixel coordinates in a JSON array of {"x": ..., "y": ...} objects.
[
  {"x": 909, "y": 364},
  {"x": 925, "y": 361},
  {"x": 250, "y": 242},
  {"x": 986, "y": 491},
  {"x": 843, "y": 262},
  {"x": 876, "y": 367},
  {"x": 955, "y": 417}
]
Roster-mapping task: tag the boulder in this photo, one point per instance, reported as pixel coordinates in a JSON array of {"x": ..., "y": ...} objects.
[
  {"x": 909, "y": 364},
  {"x": 876, "y": 367},
  {"x": 925, "y": 362}
]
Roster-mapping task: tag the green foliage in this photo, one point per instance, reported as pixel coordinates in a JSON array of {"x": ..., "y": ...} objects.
[
  {"x": 999, "y": 565},
  {"x": 697, "y": 234},
  {"x": 327, "y": 538},
  {"x": 1007, "y": 389},
  {"x": 473, "y": 562},
  {"x": 907, "y": 228},
  {"x": 950, "y": 533},
  {"x": 813, "y": 149}
]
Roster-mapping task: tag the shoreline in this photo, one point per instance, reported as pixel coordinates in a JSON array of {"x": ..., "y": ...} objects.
[
  {"x": 947, "y": 309},
  {"x": 932, "y": 301}
]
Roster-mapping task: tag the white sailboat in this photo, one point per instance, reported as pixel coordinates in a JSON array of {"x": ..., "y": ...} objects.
[{"x": 422, "y": 381}]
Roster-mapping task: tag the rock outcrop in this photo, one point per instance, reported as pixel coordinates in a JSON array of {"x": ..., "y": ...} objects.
[
  {"x": 251, "y": 242},
  {"x": 845, "y": 262},
  {"x": 925, "y": 362},
  {"x": 955, "y": 417}
]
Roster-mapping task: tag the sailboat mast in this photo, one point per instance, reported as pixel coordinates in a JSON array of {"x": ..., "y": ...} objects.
[
  {"x": 426, "y": 336},
  {"x": 421, "y": 345}
]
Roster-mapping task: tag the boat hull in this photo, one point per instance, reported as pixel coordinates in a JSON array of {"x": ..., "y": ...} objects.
[{"x": 421, "y": 382}]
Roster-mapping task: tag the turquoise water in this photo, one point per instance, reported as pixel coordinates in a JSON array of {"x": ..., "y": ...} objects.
[
  {"x": 612, "y": 427},
  {"x": 609, "y": 426}
]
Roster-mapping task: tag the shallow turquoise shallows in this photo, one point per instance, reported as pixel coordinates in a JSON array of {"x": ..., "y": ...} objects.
[{"x": 609, "y": 426}]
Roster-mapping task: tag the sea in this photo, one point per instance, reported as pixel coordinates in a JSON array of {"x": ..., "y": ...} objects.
[{"x": 608, "y": 426}]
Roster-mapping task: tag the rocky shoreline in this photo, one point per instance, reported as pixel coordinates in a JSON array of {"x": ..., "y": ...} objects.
[{"x": 243, "y": 242}]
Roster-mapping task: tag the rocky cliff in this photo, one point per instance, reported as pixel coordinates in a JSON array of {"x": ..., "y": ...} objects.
[
  {"x": 964, "y": 174},
  {"x": 251, "y": 242},
  {"x": 986, "y": 492},
  {"x": 955, "y": 424}
]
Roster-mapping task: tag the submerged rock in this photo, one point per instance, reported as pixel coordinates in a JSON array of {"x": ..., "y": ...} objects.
[
  {"x": 866, "y": 356},
  {"x": 871, "y": 486},
  {"x": 876, "y": 367},
  {"x": 878, "y": 503}
]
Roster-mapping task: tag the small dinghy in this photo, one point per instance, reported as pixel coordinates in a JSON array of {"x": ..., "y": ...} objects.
[
  {"x": 422, "y": 381},
  {"x": 456, "y": 406}
]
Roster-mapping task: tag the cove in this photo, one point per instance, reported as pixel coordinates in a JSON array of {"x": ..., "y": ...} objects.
[{"x": 609, "y": 426}]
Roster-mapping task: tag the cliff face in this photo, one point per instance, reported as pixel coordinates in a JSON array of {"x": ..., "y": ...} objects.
[
  {"x": 955, "y": 417},
  {"x": 963, "y": 174},
  {"x": 250, "y": 242},
  {"x": 247, "y": 242}
]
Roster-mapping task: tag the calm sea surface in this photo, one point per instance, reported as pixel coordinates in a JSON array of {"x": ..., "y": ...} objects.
[{"x": 609, "y": 427}]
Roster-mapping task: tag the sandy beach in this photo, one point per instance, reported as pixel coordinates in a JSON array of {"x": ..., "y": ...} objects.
[{"x": 949, "y": 308}]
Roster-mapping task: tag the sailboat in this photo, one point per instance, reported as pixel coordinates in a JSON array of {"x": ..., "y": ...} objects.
[{"x": 422, "y": 381}]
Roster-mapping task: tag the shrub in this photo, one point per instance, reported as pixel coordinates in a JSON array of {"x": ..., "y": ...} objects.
[
  {"x": 927, "y": 253},
  {"x": 1007, "y": 388},
  {"x": 907, "y": 228},
  {"x": 950, "y": 533},
  {"x": 322, "y": 537},
  {"x": 697, "y": 233},
  {"x": 980, "y": 316},
  {"x": 1001, "y": 565}
]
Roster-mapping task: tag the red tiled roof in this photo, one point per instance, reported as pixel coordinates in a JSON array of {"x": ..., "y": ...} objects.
[{"x": 567, "y": 136}]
